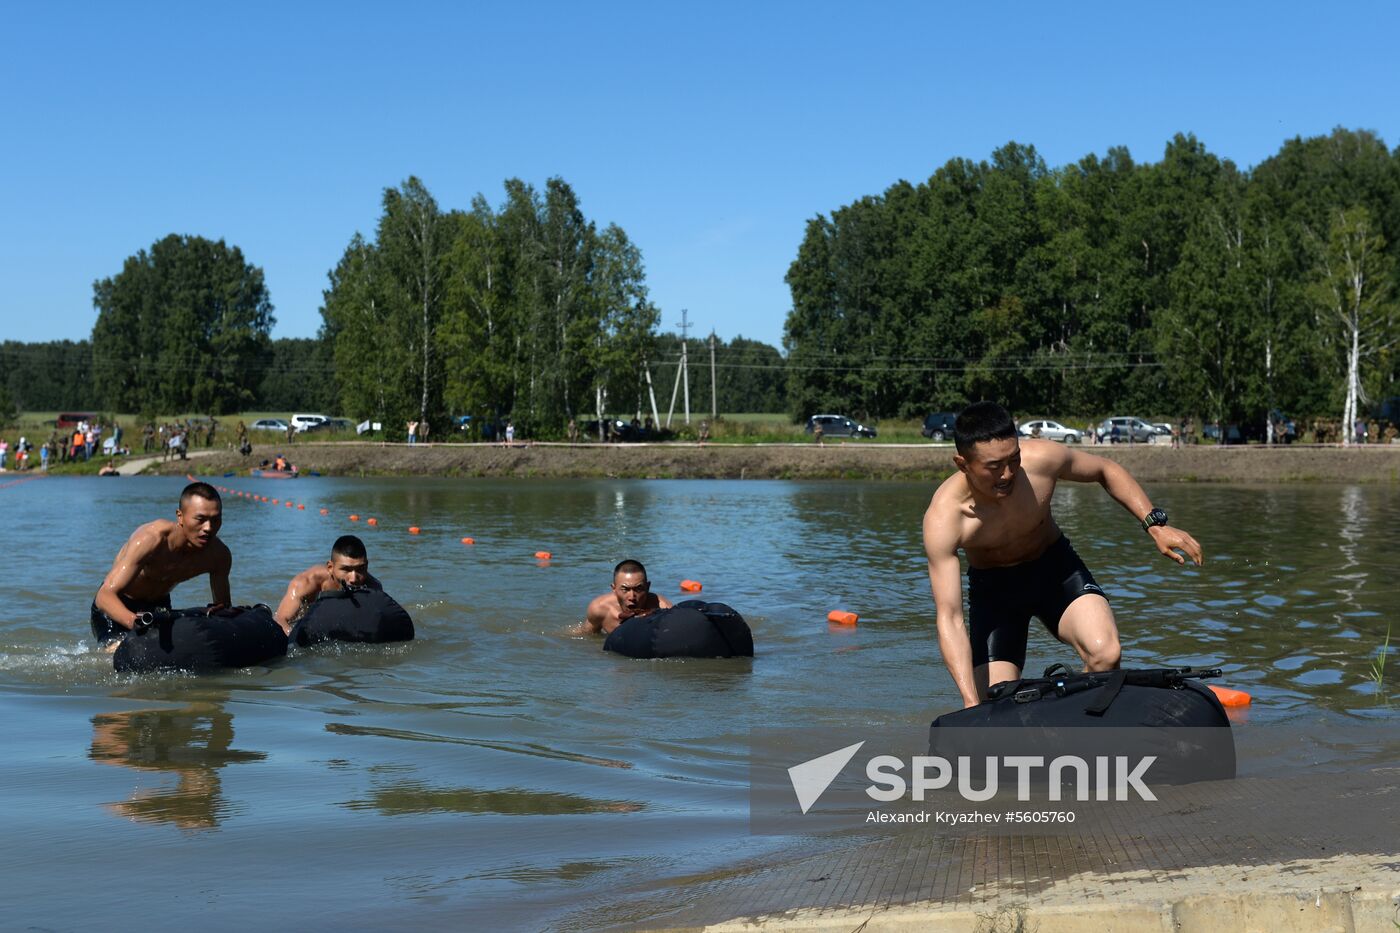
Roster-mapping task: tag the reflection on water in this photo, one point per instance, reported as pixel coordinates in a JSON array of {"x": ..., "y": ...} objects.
[
  {"x": 412, "y": 797},
  {"x": 188, "y": 745}
]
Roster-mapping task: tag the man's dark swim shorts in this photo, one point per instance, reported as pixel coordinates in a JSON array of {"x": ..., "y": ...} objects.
[
  {"x": 105, "y": 629},
  {"x": 1001, "y": 601}
]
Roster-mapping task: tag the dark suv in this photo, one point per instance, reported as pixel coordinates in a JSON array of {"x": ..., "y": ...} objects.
[
  {"x": 838, "y": 426},
  {"x": 939, "y": 425}
]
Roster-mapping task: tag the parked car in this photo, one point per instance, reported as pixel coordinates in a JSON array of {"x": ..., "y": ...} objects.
[
  {"x": 269, "y": 424},
  {"x": 838, "y": 426},
  {"x": 304, "y": 422},
  {"x": 938, "y": 426},
  {"x": 617, "y": 430},
  {"x": 1161, "y": 427},
  {"x": 67, "y": 421},
  {"x": 1051, "y": 431},
  {"x": 1130, "y": 430},
  {"x": 331, "y": 424}
]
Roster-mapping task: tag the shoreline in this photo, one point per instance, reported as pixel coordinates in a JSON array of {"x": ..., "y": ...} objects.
[{"x": 1378, "y": 463}]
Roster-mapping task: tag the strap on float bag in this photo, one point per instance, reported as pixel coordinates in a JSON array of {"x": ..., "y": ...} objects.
[{"x": 1170, "y": 678}]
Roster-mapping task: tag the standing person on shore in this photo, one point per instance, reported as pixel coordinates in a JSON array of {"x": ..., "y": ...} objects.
[
  {"x": 996, "y": 509},
  {"x": 158, "y": 556},
  {"x": 573, "y": 431},
  {"x": 423, "y": 430},
  {"x": 510, "y": 433},
  {"x": 412, "y": 433}
]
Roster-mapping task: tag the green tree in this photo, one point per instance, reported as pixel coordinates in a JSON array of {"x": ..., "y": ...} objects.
[{"x": 180, "y": 328}]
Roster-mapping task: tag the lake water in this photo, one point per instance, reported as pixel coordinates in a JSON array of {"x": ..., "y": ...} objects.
[{"x": 497, "y": 769}]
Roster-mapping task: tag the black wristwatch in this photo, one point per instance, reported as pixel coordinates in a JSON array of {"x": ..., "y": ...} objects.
[{"x": 1155, "y": 517}]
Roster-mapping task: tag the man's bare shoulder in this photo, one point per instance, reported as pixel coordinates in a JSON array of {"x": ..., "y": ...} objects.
[
  {"x": 598, "y": 605},
  {"x": 943, "y": 520},
  {"x": 316, "y": 575},
  {"x": 148, "y": 537},
  {"x": 949, "y": 498},
  {"x": 1040, "y": 456}
]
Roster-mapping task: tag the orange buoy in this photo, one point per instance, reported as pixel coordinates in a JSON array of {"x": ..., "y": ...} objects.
[
  {"x": 543, "y": 555},
  {"x": 288, "y": 504},
  {"x": 841, "y": 617},
  {"x": 301, "y": 507},
  {"x": 691, "y": 586},
  {"x": 354, "y": 518},
  {"x": 372, "y": 521},
  {"x": 412, "y": 529},
  {"x": 1230, "y": 698},
  {"x": 468, "y": 540},
  {"x": 274, "y": 501},
  {"x": 325, "y": 511}
]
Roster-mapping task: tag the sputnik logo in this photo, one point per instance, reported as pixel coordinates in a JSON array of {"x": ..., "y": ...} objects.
[{"x": 811, "y": 778}]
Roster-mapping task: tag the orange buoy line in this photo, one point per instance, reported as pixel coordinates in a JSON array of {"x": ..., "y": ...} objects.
[
  {"x": 372, "y": 521},
  {"x": 691, "y": 586},
  {"x": 468, "y": 540},
  {"x": 543, "y": 555},
  {"x": 412, "y": 529},
  {"x": 1230, "y": 698},
  {"x": 841, "y": 617}
]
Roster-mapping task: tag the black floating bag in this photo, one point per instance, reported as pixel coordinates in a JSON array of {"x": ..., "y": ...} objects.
[
  {"x": 353, "y": 615},
  {"x": 1161, "y": 712},
  {"x": 692, "y": 629},
  {"x": 193, "y": 640}
]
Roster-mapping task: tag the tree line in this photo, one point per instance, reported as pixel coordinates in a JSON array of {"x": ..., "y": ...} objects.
[{"x": 1185, "y": 286}]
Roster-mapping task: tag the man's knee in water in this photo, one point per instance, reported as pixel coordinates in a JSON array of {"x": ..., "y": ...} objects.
[
  {"x": 1088, "y": 626},
  {"x": 1103, "y": 654}
]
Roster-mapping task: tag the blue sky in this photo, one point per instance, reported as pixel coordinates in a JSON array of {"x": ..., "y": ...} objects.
[{"x": 711, "y": 132}]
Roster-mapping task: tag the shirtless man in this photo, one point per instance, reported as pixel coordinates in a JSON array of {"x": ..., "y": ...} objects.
[
  {"x": 348, "y": 568},
  {"x": 157, "y": 557},
  {"x": 996, "y": 508},
  {"x": 630, "y": 596}
]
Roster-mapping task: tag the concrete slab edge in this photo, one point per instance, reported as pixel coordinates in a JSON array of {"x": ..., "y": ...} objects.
[{"x": 1339, "y": 908}]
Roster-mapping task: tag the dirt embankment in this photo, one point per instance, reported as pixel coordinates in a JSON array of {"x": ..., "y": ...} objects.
[{"x": 1149, "y": 463}]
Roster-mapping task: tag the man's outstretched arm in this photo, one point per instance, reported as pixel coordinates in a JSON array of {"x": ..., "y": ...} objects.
[{"x": 1079, "y": 467}]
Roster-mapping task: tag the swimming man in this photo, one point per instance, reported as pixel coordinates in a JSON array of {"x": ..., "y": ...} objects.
[
  {"x": 996, "y": 509},
  {"x": 348, "y": 568},
  {"x": 157, "y": 557},
  {"x": 630, "y": 596}
]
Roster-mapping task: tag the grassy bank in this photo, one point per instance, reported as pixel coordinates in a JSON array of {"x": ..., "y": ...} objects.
[{"x": 922, "y": 462}]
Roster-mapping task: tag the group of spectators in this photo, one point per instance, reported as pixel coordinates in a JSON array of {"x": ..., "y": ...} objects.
[
  {"x": 174, "y": 438},
  {"x": 82, "y": 444}
]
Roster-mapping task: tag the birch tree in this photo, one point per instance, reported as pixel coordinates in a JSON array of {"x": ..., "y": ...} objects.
[{"x": 1352, "y": 294}]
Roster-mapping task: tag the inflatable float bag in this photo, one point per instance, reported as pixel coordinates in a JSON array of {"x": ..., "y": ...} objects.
[
  {"x": 691, "y": 629},
  {"x": 353, "y": 615},
  {"x": 1164, "y": 713},
  {"x": 193, "y": 640}
]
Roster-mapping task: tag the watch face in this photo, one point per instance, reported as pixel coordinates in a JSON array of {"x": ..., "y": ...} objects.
[{"x": 1156, "y": 517}]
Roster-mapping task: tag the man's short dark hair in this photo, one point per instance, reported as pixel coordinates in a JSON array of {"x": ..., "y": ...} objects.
[
  {"x": 982, "y": 421},
  {"x": 629, "y": 566},
  {"x": 202, "y": 490},
  {"x": 348, "y": 546}
]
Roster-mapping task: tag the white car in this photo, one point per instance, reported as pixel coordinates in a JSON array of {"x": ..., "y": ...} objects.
[
  {"x": 306, "y": 422},
  {"x": 1051, "y": 431},
  {"x": 269, "y": 424}
]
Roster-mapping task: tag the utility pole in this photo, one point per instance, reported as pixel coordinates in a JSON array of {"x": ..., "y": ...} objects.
[
  {"x": 714, "y": 393},
  {"x": 682, "y": 372}
]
